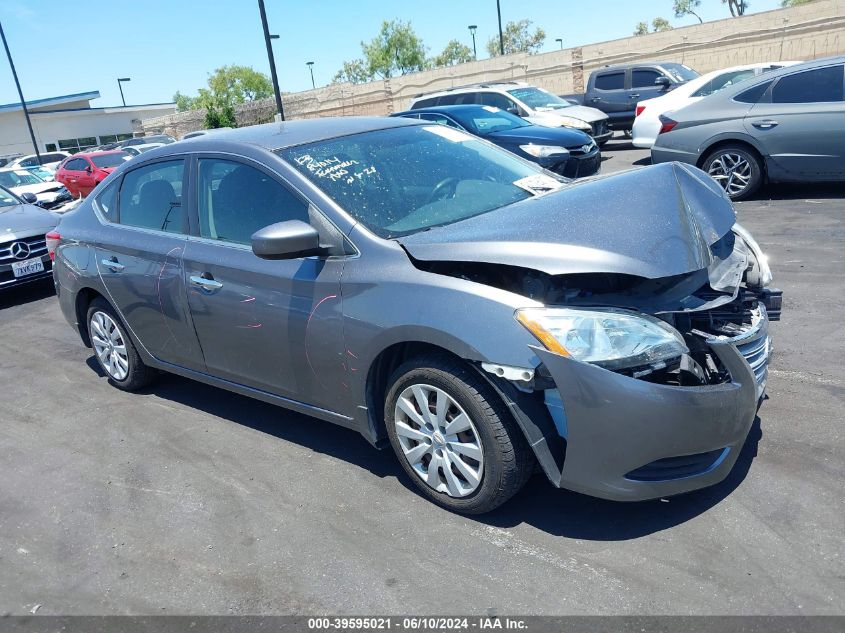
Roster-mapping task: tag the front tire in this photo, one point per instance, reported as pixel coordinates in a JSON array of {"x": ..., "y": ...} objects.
[
  {"x": 454, "y": 436},
  {"x": 114, "y": 350},
  {"x": 737, "y": 169}
]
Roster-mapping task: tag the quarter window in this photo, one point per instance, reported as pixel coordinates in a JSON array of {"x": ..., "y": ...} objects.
[
  {"x": 236, "y": 200},
  {"x": 753, "y": 95},
  {"x": 611, "y": 81},
  {"x": 151, "y": 197},
  {"x": 107, "y": 202},
  {"x": 821, "y": 85}
]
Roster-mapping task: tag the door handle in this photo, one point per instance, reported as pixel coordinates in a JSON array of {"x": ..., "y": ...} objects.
[
  {"x": 206, "y": 282},
  {"x": 634, "y": 96},
  {"x": 766, "y": 124},
  {"x": 112, "y": 264},
  {"x": 595, "y": 99}
]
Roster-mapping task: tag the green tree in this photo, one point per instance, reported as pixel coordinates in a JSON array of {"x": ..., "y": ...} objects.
[
  {"x": 220, "y": 116},
  {"x": 737, "y": 7},
  {"x": 641, "y": 28},
  {"x": 660, "y": 24},
  {"x": 518, "y": 38},
  {"x": 396, "y": 50},
  {"x": 227, "y": 86},
  {"x": 454, "y": 53},
  {"x": 687, "y": 7}
]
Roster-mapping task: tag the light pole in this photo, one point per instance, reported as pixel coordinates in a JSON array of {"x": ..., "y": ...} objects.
[
  {"x": 560, "y": 41},
  {"x": 267, "y": 38},
  {"x": 311, "y": 68},
  {"x": 501, "y": 37},
  {"x": 472, "y": 28},
  {"x": 20, "y": 94},
  {"x": 120, "y": 81}
]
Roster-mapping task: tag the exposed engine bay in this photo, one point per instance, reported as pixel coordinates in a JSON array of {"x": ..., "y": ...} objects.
[{"x": 725, "y": 301}]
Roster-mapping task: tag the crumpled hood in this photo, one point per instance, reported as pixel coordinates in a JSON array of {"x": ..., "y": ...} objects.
[
  {"x": 584, "y": 113},
  {"x": 40, "y": 188},
  {"x": 653, "y": 222},
  {"x": 23, "y": 218}
]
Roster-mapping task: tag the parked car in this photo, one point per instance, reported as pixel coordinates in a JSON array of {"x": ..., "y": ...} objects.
[
  {"x": 565, "y": 151},
  {"x": 647, "y": 122},
  {"x": 20, "y": 181},
  {"x": 165, "y": 139},
  {"x": 438, "y": 294},
  {"x": 197, "y": 133},
  {"x": 49, "y": 161},
  {"x": 536, "y": 105},
  {"x": 785, "y": 126},
  {"x": 134, "y": 150},
  {"x": 82, "y": 172},
  {"x": 42, "y": 173},
  {"x": 615, "y": 90},
  {"x": 23, "y": 248}
]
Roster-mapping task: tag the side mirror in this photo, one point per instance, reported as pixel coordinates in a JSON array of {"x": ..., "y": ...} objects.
[
  {"x": 663, "y": 82},
  {"x": 513, "y": 110},
  {"x": 88, "y": 169},
  {"x": 287, "y": 240},
  {"x": 29, "y": 198}
]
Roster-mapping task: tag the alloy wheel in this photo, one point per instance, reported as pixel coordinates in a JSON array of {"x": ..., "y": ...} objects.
[
  {"x": 732, "y": 171},
  {"x": 439, "y": 440},
  {"x": 109, "y": 345}
]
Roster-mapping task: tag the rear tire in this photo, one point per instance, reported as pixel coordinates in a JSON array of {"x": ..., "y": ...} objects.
[
  {"x": 115, "y": 353},
  {"x": 464, "y": 431},
  {"x": 737, "y": 169}
]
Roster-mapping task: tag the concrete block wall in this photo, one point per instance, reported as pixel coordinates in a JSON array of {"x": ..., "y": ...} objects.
[{"x": 806, "y": 32}]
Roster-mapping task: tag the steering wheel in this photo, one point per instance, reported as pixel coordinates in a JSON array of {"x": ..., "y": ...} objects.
[{"x": 441, "y": 191}]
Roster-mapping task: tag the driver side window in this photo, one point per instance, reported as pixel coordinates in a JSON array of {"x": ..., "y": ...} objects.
[{"x": 236, "y": 200}]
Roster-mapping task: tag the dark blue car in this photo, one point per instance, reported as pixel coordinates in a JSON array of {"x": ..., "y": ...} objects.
[{"x": 565, "y": 151}]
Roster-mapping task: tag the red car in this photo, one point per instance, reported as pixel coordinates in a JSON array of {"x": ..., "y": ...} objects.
[{"x": 80, "y": 173}]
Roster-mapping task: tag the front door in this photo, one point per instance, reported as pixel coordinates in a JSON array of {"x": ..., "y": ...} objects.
[
  {"x": 802, "y": 128},
  {"x": 85, "y": 179},
  {"x": 273, "y": 325},
  {"x": 643, "y": 86},
  {"x": 140, "y": 259}
]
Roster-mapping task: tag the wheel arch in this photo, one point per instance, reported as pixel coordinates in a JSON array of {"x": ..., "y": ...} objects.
[
  {"x": 84, "y": 297},
  {"x": 743, "y": 141}
]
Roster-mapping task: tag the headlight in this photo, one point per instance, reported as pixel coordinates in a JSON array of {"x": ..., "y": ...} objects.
[
  {"x": 614, "y": 339},
  {"x": 759, "y": 255},
  {"x": 542, "y": 151},
  {"x": 568, "y": 121}
]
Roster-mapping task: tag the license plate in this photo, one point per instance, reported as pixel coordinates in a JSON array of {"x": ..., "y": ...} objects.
[{"x": 27, "y": 267}]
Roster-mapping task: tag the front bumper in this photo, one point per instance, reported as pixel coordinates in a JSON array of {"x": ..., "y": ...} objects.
[
  {"x": 631, "y": 440},
  {"x": 574, "y": 166}
]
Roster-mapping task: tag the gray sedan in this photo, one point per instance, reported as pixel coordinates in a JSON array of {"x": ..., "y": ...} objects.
[
  {"x": 785, "y": 126},
  {"x": 439, "y": 295}
]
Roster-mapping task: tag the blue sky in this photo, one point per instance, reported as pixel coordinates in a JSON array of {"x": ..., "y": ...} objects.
[{"x": 63, "y": 47}]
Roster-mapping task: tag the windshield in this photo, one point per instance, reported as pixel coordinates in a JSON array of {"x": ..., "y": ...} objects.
[
  {"x": 403, "y": 180},
  {"x": 18, "y": 178},
  {"x": 7, "y": 199},
  {"x": 539, "y": 99},
  {"x": 104, "y": 161},
  {"x": 679, "y": 72},
  {"x": 487, "y": 119}
]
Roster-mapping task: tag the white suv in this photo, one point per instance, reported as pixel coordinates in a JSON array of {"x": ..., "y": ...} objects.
[{"x": 536, "y": 105}]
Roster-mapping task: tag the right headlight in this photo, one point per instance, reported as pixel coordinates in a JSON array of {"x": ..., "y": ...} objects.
[
  {"x": 614, "y": 339},
  {"x": 759, "y": 255},
  {"x": 578, "y": 124},
  {"x": 543, "y": 151}
]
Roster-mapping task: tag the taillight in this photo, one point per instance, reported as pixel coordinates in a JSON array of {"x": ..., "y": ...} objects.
[
  {"x": 666, "y": 125},
  {"x": 52, "y": 238},
  {"x": 639, "y": 110}
]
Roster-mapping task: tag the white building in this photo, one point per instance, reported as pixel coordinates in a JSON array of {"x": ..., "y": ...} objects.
[{"x": 70, "y": 123}]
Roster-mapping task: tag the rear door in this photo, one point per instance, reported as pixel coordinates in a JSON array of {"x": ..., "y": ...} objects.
[
  {"x": 139, "y": 258},
  {"x": 801, "y": 125},
  {"x": 273, "y": 325}
]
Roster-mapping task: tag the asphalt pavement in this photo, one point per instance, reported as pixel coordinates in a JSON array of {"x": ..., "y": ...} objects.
[{"x": 186, "y": 499}]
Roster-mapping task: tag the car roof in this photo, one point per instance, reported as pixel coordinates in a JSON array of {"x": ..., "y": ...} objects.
[
  {"x": 273, "y": 136},
  {"x": 730, "y": 93},
  {"x": 479, "y": 87},
  {"x": 444, "y": 109}
]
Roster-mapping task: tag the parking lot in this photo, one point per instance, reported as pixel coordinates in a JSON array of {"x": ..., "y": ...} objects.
[{"x": 187, "y": 499}]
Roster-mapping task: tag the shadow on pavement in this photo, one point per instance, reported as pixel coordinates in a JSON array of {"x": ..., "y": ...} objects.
[
  {"x": 557, "y": 512},
  {"x": 33, "y": 291}
]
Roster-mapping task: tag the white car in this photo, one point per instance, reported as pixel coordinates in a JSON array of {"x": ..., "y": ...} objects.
[
  {"x": 50, "y": 161},
  {"x": 134, "y": 150},
  {"x": 49, "y": 195},
  {"x": 647, "y": 122}
]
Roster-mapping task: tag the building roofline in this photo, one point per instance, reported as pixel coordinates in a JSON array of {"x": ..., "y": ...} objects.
[
  {"x": 139, "y": 106},
  {"x": 40, "y": 103}
]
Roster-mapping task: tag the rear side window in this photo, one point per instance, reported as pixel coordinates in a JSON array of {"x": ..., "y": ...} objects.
[
  {"x": 151, "y": 197},
  {"x": 820, "y": 85},
  {"x": 753, "y": 95},
  {"x": 644, "y": 78},
  {"x": 611, "y": 81},
  {"x": 496, "y": 100},
  {"x": 236, "y": 200},
  {"x": 723, "y": 81},
  {"x": 107, "y": 202}
]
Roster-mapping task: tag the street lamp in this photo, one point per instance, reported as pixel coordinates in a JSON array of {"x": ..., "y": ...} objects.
[
  {"x": 472, "y": 28},
  {"x": 311, "y": 68},
  {"x": 267, "y": 38},
  {"x": 501, "y": 37},
  {"x": 120, "y": 81},
  {"x": 560, "y": 41}
]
